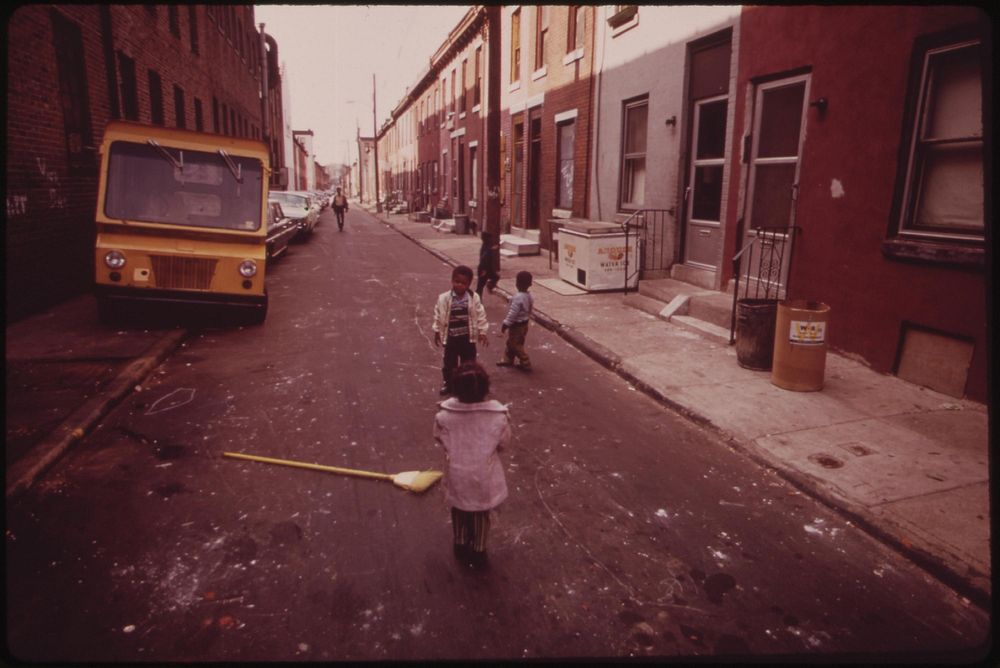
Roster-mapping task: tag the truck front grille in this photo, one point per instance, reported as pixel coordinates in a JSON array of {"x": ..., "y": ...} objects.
[{"x": 185, "y": 273}]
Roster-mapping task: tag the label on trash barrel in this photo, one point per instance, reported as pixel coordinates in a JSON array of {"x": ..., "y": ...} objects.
[{"x": 807, "y": 333}]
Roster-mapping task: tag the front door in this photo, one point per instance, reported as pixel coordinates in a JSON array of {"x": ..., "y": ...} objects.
[
  {"x": 534, "y": 167},
  {"x": 703, "y": 194},
  {"x": 461, "y": 176},
  {"x": 778, "y": 134},
  {"x": 516, "y": 213}
]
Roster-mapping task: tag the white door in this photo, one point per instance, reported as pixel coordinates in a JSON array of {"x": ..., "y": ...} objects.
[{"x": 776, "y": 149}]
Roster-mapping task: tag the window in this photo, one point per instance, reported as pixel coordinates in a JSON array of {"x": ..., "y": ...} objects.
[
  {"x": 215, "y": 115},
  {"x": 943, "y": 186},
  {"x": 474, "y": 162},
  {"x": 515, "y": 46},
  {"x": 129, "y": 89},
  {"x": 193, "y": 27},
  {"x": 225, "y": 119},
  {"x": 179, "y": 113},
  {"x": 452, "y": 107},
  {"x": 566, "y": 134},
  {"x": 541, "y": 29},
  {"x": 574, "y": 28},
  {"x": 633, "y": 177},
  {"x": 173, "y": 18},
  {"x": 465, "y": 66},
  {"x": 199, "y": 119},
  {"x": 73, "y": 98},
  {"x": 155, "y": 98},
  {"x": 478, "y": 84}
]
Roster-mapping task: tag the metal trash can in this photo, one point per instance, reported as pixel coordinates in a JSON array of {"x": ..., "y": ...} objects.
[
  {"x": 461, "y": 223},
  {"x": 800, "y": 345},
  {"x": 755, "y": 320}
]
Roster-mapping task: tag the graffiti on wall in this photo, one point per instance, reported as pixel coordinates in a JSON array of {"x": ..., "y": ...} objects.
[{"x": 56, "y": 199}]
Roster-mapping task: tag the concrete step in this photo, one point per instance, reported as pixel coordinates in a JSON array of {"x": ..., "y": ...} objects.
[
  {"x": 667, "y": 300},
  {"x": 443, "y": 224},
  {"x": 644, "y": 303},
  {"x": 520, "y": 245},
  {"x": 508, "y": 253},
  {"x": 706, "y": 329}
]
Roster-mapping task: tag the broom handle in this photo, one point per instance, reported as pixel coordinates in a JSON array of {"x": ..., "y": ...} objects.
[{"x": 303, "y": 465}]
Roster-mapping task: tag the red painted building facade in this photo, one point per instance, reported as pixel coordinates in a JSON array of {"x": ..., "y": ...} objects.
[{"x": 863, "y": 126}]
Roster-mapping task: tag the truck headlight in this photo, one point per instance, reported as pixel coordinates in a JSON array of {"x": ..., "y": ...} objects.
[
  {"x": 114, "y": 259},
  {"x": 248, "y": 268}
]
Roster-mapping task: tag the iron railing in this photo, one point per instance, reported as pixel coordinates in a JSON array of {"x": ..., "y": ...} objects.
[
  {"x": 653, "y": 254},
  {"x": 774, "y": 245}
]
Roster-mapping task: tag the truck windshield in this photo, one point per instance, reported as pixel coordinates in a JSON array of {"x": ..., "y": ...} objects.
[{"x": 163, "y": 184}]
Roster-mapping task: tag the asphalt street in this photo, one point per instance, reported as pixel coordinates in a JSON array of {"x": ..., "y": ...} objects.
[{"x": 629, "y": 530}]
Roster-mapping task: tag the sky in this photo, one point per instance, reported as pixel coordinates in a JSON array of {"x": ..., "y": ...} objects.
[{"x": 330, "y": 52}]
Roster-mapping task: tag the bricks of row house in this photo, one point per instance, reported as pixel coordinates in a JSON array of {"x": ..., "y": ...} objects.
[
  {"x": 73, "y": 68},
  {"x": 677, "y": 96},
  {"x": 443, "y": 120}
]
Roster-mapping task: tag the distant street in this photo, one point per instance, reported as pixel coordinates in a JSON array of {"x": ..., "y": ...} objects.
[{"x": 628, "y": 532}]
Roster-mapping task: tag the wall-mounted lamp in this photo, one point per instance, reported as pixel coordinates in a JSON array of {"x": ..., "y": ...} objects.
[
  {"x": 820, "y": 104},
  {"x": 672, "y": 121}
]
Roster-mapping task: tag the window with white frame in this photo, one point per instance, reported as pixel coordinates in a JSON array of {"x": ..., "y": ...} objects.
[
  {"x": 566, "y": 134},
  {"x": 515, "y": 46},
  {"x": 541, "y": 30},
  {"x": 943, "y": 187},
  {"x": 632, "y": 191},
  {"x": 574, "y": 32}
]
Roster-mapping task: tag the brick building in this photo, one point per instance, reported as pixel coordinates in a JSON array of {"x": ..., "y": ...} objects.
[
  {"x": 547, "y": 68},
  {"x": 885, "y": 170},
  {"x": 73, "y": 68},
  {"x": 431, "y": 151}
]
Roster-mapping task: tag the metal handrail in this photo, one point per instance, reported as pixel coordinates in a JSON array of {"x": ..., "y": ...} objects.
[
  {"x": 625, "y": 226},
  {"x": 791, "y": 233}
]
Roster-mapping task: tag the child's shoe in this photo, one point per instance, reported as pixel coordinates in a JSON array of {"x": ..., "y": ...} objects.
[
  {"x": 503, "y": 362},
  {"x": 445, "y": 390}
]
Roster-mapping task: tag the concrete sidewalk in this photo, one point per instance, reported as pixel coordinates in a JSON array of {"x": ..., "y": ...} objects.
[{"x": 906, "y": 463}]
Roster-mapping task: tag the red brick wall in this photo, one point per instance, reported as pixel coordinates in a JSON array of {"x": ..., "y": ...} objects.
[{"x": 49, "y": 231}]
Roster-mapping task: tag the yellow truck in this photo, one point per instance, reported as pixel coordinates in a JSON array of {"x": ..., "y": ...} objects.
[{"x": 181, "y": 219}]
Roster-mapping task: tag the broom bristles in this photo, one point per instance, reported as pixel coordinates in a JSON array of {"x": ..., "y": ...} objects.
[{"x": 416, "y": 481}]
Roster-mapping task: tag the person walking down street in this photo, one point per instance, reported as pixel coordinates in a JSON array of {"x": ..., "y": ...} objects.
[
  {"x": 472, "y": 430},
  {"x": 459, "y": 322},
  {"x": 339, "y": 207},
  {"x": 516, "y": 321},
  {"x": 487, "y": 271}
]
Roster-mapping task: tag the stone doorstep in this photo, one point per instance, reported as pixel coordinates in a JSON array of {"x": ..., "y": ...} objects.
[
  {"x": 676, "y": 312},
  {"x": 519, "y": 245}
]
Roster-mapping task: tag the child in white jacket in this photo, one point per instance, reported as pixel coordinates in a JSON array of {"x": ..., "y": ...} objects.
[
  {"x": 459, "y": 323},
  {"x": 472, "y": 431}
]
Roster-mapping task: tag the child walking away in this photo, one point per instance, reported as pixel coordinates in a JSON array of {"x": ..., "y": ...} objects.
[
  {"x": 518, "y": 315},
  {"x": 459, "y": 321},
  {"x": 472, "y": 431}
]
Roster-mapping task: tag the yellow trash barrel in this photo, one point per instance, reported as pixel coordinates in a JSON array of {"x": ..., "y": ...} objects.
[{"x": 800, "y": 343}]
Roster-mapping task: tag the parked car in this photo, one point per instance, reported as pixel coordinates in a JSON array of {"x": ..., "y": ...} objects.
[
  {"x": 299, "y": 207},
  {"x": 280, "y": 229}
]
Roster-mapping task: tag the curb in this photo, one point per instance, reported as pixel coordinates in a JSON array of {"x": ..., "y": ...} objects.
[
  {"x": 81, "y": 421},
  {"x": 863, "y": 519}
]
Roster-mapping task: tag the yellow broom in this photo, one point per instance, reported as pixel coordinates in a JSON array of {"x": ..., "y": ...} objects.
[{"x": 413, "y": 481}]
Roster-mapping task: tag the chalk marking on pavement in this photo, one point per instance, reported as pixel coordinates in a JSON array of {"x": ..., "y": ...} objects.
[{"x": 176, "y": 403}]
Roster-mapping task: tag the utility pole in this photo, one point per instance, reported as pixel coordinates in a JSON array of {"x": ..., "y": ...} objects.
[
  {"x": 361, "y": 169},
  {"x": 378, "y": 201},
  {"x": 493, "y": 127}
]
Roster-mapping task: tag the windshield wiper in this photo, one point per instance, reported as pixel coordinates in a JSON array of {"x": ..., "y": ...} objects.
[
  {"x": 237, "y": 170},
  {"x": 178, "y": 164}
]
